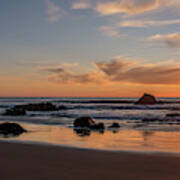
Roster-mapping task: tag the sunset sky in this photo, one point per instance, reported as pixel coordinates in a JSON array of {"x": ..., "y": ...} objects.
[{"x": 96, "y": 48}]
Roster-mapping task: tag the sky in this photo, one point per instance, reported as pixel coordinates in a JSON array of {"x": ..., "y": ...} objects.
[{"x": 89, "y": 48}]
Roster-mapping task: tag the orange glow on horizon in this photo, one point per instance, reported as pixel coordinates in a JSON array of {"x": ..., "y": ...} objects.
[{"x": 23, "y": 87}]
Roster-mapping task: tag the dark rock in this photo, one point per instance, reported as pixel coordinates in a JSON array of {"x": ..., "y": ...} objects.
[
  {"x": 11, "y": 128},
  {"x": 62, "y": 107},
  {"x": 38, "y": 107},
  {"x": 146, "y": 120},
  {"x": 138, "y": 125},
  {"x": 173, "y": 115},
  {"x": 15, "y": 112},
  {"x": 88, "y": 124},
  {"x": 99, "y": 127},
  {"x": 84, "y": 122},
  {"x": 114, "y": 125},
  {"x": 164, "y": 120},
  {"x": 147, "y": 99}
]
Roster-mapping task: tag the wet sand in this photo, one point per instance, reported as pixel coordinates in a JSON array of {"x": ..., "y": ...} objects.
[{"x": 41, "y": 162}]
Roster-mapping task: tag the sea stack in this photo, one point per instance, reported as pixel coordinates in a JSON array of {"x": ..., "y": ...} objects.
[{"x": 147, "y": 99}]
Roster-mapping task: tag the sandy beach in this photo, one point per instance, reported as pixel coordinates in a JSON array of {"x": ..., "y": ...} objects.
[{"x": 41, "y": 162}]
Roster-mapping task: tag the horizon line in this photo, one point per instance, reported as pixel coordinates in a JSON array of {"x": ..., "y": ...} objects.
[{"x": 84, "y": 96}]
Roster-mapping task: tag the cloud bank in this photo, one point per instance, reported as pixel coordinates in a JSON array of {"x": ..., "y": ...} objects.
[
  {"x": 118, "y": 70},
  {"x": 130, "y": 13},
  {"x": 110, "y": 7}
]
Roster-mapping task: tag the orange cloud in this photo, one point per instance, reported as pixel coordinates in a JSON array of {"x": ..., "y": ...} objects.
[
  {"x": 68, "y": 77},
  {"x": 81, "y": 5},
  {"x": 110, "y": 7},
  {"x": 171, "y": 40},
  {"x": 147, "y": 23},
  {"x": 121, "y": 71},
  {"x": 111, "y": 32},
  {"x": 128, "y": 7}
]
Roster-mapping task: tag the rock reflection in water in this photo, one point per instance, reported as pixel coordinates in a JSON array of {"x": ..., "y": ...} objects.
[
  {"x": 83, "y": 132},
  {"x": 147, "y": 134},
  {"x": 115, "y": 130},
  {"x": 147, "y": 137}
]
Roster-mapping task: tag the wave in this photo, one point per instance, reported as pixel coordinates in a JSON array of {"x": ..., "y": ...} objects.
[{"x": 133, "y": 107}]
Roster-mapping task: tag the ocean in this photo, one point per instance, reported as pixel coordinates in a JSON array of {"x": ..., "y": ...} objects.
[{"x": 56, "y": 128}]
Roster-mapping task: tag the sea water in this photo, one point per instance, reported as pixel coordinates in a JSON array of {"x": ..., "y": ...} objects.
[{"x": 57, "y": 127}]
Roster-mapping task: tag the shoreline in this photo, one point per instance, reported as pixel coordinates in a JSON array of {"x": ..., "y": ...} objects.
[
  {"x": 128, "y": 151},
  {"x": 25, "y": 161},
  {"x": 132, "y": 141}
]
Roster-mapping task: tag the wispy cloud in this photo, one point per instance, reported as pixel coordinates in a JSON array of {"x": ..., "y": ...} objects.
[
  {"x": 111, "y": 32},
  {"x": 56, "y": 68},
  {"x": 111, "y": 7},
  {"x": 81, "y": 5},
  {"x": 171, "y": 40},
  {"x": 54, "y": 12},
  {"x": 129, "y": 13},
  {"x": 127, "y": 7},
  {"x": 65, "y": 74},
  {"x": 121, "y": 70},
  {"x": 159, "y": 73},
  {"x": 147, "y": 23}
]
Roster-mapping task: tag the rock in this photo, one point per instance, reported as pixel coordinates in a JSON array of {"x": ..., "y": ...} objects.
[
  {"x": 62, "y": 107},
  {"x": 38, "y": 107},
  {"x": 147, "y": 99},
  {"x": 173, "y": 115},
  {"x": 84, "y": 122},
  {"x": 99, "y": 127},
  {"x": 114, "y": 125},
  {"x": 147, "y": 120},
  {"x": 88, "y": 123},
  {"x": 11, "y": 128},
  {"x": 15, "y": 112}
]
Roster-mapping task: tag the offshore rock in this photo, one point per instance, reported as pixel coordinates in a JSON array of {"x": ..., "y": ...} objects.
[
  {"x": 15, "y": 112},
  {"x": 39, "y": 107},
  {"x": 147, "y": 99},
  {"x": 84, "y": 122},
  {"x": 115, "y": 125}
]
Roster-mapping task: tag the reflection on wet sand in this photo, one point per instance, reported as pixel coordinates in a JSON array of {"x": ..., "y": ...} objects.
[
  {"x": 133, "y": 140},
  {"x": 82, "y": 132},
  {"x": 147, "y": 134},
  {"x": 146, "y": 138}
]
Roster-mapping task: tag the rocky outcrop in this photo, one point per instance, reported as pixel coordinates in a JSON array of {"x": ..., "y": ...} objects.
[
  {"x": 147, "y": 99},
  {"x": 99, "y": 127},
  {"x": 15, "y": 112},
  {"x": 114, "y": 125},
  {"x": 62, "y": 107},
  {"x": 84, "y": 122},
  {"x": 39, "y": 107},
  {"x": 173, "y": 115},
  {"x": 164, "y": 120},
  {"x": 20, "y": 110},
  {"x": 148, "y": 120},
  {"x": 87, "y": 122},
  {"x": 11, "y": 129}
]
